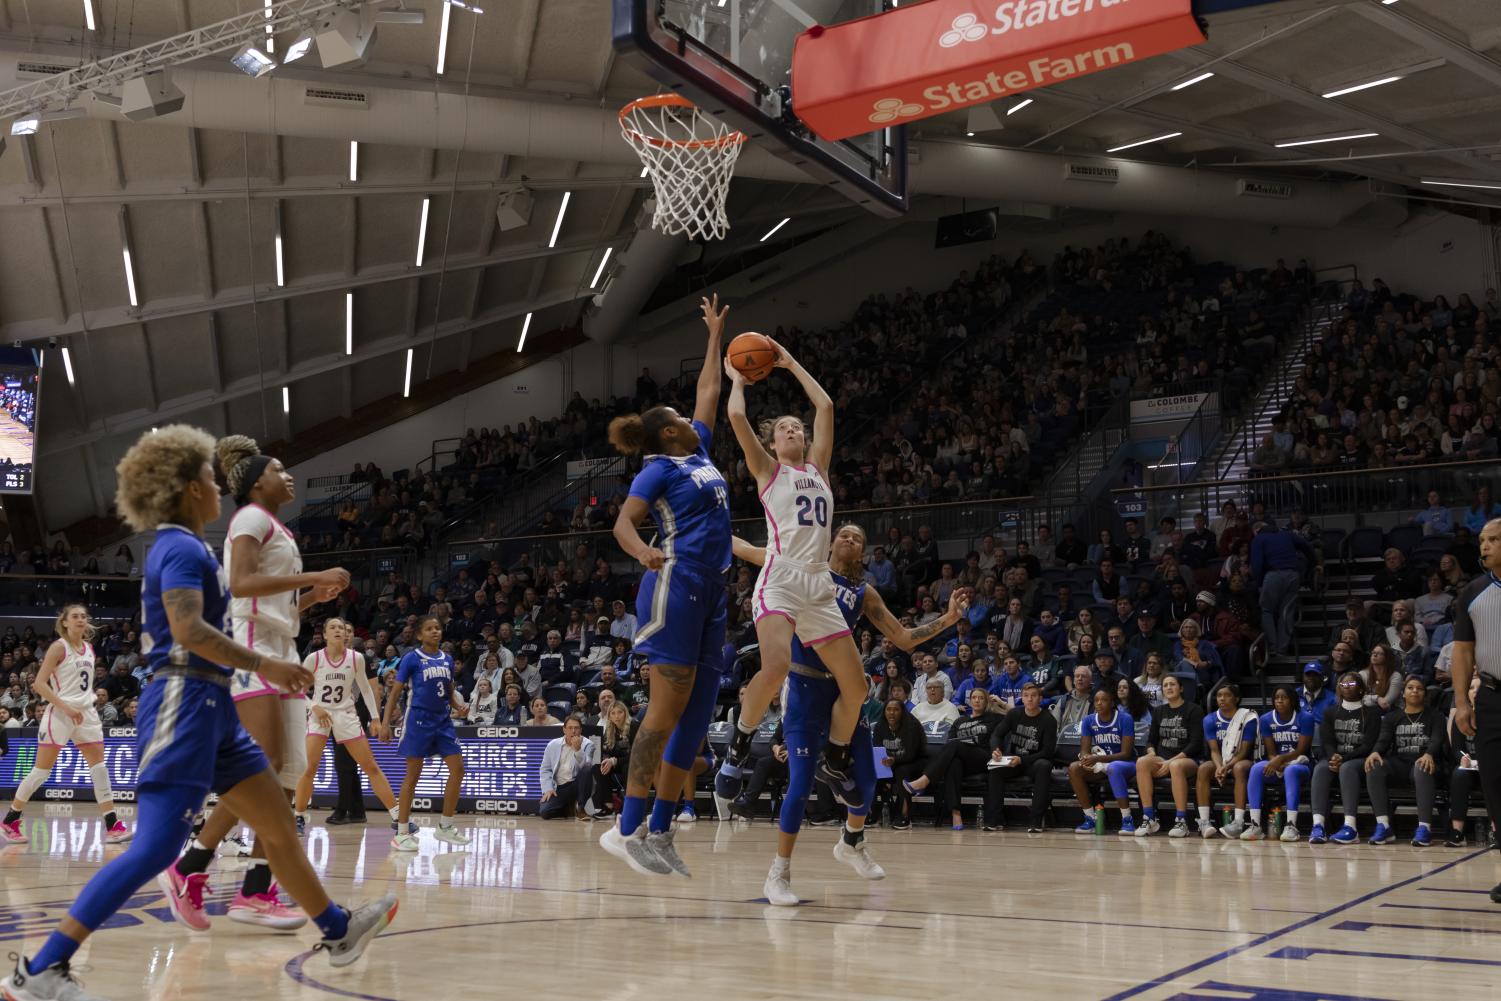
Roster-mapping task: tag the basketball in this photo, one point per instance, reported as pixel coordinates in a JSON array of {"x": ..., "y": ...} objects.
[{"x": 753, "y": 355}]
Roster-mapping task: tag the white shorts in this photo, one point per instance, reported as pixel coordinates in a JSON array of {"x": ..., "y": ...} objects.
[
  {"x": 248, "y": 685},
  {"x": 57, "y": 729},
  {"x": 344, "y": 724},
  {"x": 804, "y": 594}
]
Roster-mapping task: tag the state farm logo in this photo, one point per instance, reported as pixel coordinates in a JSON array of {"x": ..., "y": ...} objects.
[
  {"x": 889, "y": 109},
  {"x": 966, "y": 28}
]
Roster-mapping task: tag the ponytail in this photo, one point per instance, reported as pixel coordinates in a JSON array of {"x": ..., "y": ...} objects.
[{"x": 633, "y": 435}]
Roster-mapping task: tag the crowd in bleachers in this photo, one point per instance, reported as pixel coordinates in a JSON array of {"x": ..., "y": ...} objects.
[
  {"x": 20, "y": 403},
  {"x": 1397, "y": 382}
]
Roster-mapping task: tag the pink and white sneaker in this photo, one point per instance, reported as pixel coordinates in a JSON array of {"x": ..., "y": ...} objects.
[
  {"x": 12, "y": 833},
  {"x": 118, "y": 835},
  {"x": 266, "y": 910},
  {"x": 185, "y": 896}
]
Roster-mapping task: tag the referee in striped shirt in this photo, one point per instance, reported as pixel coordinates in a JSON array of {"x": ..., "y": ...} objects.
[{"x": 1477, "y": 647}]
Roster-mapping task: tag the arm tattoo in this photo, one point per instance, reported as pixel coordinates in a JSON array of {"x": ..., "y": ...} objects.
[
  {"x": 928, "y": 630},
  {"x": 184, "y": 608}
]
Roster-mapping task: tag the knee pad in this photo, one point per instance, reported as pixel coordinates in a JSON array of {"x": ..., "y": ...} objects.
[
  {"x": 99, "y": 775},
  {"x": 33, "y": 781}
]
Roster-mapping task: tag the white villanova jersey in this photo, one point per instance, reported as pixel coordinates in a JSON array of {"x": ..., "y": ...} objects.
[
  {"x": 74, "y": 678},
  {"x": 799, "y": 509}
]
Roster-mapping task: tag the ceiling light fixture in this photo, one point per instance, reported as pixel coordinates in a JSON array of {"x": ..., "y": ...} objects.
[
  {"x": 970, "y": 134},
  {"x": 558, "y": 225},
  {"x": 281, "y": 274},
  {"x": 26, "y": 126},
  {"x": 270, "y": 29},
  {"x": 130, "y": 277},
  {"x": 349, "y": 323},
  {"x": 286, "y": 399},
  {"x": 1019, "y": 106},
  {"x": 68, "y": 365},
  {"x": 88, "y": 22},
  {"x": 354, "y": 159},
  {"x": 1327, "y": 139},
  {"x": 465, "y": 5},
  {"x": 252, "y": 62},
  {"x": 1191, "y": 81},
  {"x": 422, "y": 230},
  {"x": 771, "y": 232},
  {"x": 1362, "y": 86},
  {"x": 526, "y": 325},
  {"x": 345, "y": 38},
  {"x": 406, "y": 383},
  {"x": 150, "y": 96},
  {"x": 299, "y": 48},
  {"x": 1459, "y": 182},
  {"x": 443, "y": 38},
  {"x": 601, "y": 269},
  {"x": 1143, "y": 142}
]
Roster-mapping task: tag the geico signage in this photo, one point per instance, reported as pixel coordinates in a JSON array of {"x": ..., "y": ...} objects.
[
  {"x": 927, "y": 58},
  {"x": 124, "y": 795},
  {"x": 422, "y": 804},
  {"x": 497, "y": 806},
  {"x": 496, "y": 731},
  {"x": 58, "y": 794}
]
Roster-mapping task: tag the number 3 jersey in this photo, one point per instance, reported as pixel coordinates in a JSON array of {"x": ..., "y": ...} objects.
[
  {"x": 74, "y": 678},
  {"x": 429, "y": 681}
]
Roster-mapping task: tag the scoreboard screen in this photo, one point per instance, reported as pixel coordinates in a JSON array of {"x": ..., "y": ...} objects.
[
  {"x": 20, "y": 381},
  {"x": 501, "y": 769}
]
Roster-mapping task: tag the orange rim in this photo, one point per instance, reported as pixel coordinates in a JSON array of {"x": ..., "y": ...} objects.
[{"x": 672, "y": 101}]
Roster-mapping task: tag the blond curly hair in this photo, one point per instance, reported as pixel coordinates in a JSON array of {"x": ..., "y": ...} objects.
[{"x": 152, "y": 475}]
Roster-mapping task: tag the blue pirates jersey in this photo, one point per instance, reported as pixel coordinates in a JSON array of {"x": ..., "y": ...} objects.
[
  {"x": 689, "y": 502},
  {"x": 1285, "y": 736}
]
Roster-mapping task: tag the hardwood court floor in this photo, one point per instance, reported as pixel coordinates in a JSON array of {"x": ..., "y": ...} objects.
[{"x": 534, "y": 907}]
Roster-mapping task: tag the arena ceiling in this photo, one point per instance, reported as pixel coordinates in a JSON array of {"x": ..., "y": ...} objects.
[{"x": 222, "y": 325}]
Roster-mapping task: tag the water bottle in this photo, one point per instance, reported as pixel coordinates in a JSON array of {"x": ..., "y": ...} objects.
[
  {"x": 1279, "y": 820},
  {"x": 1227, "y": 817},
  {"x": 1099, "y": 820}
]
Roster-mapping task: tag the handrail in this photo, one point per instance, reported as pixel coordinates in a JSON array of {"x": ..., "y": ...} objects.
[
  {"x": 1323, "y": 474},
  {"x": 859, "y": 513}
]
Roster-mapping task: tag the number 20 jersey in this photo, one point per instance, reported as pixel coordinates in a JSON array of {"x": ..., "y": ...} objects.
[{"x": 799, "y": 507}]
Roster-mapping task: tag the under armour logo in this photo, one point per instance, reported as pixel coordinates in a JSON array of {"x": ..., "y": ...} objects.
[
  {"x": 802, "y": 752},
  {"x": 889, "y": 109},
  {"x": 966, "y": 28}
]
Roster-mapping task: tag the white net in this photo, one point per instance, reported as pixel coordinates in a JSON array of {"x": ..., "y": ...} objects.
[{"x": 690, "y": 158}]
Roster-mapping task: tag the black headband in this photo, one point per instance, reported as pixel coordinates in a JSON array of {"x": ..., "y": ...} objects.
[{"x": 254, "y": 467}]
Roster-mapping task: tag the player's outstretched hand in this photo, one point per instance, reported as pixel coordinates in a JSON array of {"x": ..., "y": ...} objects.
[
  {"x": 714, "y": 315},
  {"x": 959, "y": 601},
  {"x": 287, "y": 675},
  {"x": 653, "y": 558},
  {"x": 784, "y": 358}
]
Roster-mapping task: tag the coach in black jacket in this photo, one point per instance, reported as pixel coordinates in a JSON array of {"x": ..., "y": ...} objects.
[{"x": 1030, "y": 735}]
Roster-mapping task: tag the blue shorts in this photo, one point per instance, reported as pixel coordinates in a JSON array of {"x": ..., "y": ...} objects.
[
  {"x": 682, "y": 610},
  {"x": 188, "y": 733},
  {"x": 424, "y": 738}
]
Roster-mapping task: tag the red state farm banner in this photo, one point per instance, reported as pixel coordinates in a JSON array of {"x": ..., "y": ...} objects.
[{"x": 917, "y": 61}]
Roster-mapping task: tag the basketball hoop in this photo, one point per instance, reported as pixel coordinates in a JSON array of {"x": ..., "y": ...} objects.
[{"x": 690, "y": 158}]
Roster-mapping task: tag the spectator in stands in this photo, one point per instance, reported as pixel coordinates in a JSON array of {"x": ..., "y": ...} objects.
[
  {"x": 1084, "y": 625},
  {"x": 900, "y": 733},
  {"x": 1407, "y": 752},
  {"x": 1046, "y": 670},
  {"x": 1107, "y": 739},
  {"x": 1070, "y": 552},
  {"x": 1366, "y": 629},
  {"x": 1436, "y": 518},
  {"x": 1107, "y": 585},
  {"x": 1200, "y": 546},
  {"x": 1079, "y": 702},
  {"x": 1405, "y": 611},
  {"x": 1016, "y": 627},
  {"x": 567, "y": 773},
  {"x": 1053, "y": 633},
  {"x": 1412, "y": 656},
  {"x": 1347, "y": 736},
  {"x": 556, "y": 662},
  {"x": 1230, "y": 734},
  {"x": 1276, "y": 570},
  {"x": 1174, "y": 750},
  {"x": 1462, "y": 778},
  {"x": 1146, "y": 639},
  {"x": 1396, "y": 580},
  {"x": 1382, "y": 679},
  {"x": 1106, "y": 550},
  {"x": 623, "y": 622},
  {"x": 528, "y": 672},
  {"x": 1021, "y": 747},
  {"x": 979, "y": 679},
  {"x": 108, "y": 714},
  {"x": 967, "y": 752},
  {"x": 511, "y": 709},
  {"x": 1129, "y": 660},
  {"x": 1153, "y": 674},
  {"x": 1193, "y": 652},
  {"x": 541, "y": 715},
  {"x": 881, "y": 574},
  {"x": 1481, "y": 510},
  {"x": 1435, "y": 606},
  {"x": 1453, "y": 573},
  {"x": 935, "y": 709},
  {"x": 483, "y": 705},
  {"x": 928, "y": 672}
]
